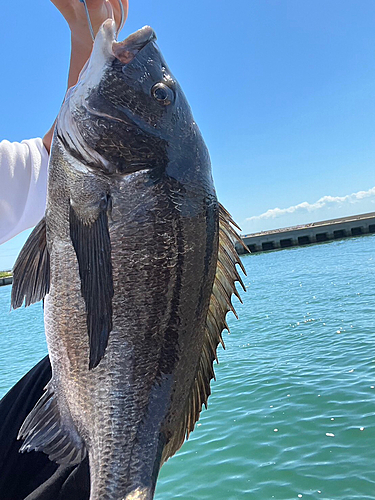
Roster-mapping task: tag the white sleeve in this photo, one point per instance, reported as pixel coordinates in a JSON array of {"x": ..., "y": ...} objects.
[{"x": 23, "y": 185}]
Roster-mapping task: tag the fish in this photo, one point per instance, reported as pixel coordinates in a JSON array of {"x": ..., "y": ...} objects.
[{"x": 136, "y": 264}]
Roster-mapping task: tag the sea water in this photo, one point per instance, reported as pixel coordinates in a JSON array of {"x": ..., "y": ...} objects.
[{"x": 292, "y": 414}]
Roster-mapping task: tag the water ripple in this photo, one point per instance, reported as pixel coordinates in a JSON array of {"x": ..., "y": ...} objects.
[{"x": 292, "y": 412}]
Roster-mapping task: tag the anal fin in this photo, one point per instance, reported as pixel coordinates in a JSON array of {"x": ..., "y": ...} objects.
[{"x": 45, "y": 429}]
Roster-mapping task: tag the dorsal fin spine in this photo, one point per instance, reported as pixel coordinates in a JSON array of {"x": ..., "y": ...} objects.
[{"x": 220, "y": 304}]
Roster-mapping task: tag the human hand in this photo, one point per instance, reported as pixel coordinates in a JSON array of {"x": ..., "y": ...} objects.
[
  {"x": 75, "y": 15},
  {"x": 100, "y": 10}
]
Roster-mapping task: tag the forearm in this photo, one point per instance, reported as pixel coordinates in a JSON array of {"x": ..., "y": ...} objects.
[
  {"x": 81, "y": 47},
  {"x": 81, "y": 50},
  {"x": 47, "y": 139}
]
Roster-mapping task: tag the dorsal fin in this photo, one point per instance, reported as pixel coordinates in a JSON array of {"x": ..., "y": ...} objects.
[{"x": 220, "y": 303}]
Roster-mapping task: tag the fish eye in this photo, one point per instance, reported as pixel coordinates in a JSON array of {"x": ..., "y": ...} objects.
[{"x": 162, "y": 93}]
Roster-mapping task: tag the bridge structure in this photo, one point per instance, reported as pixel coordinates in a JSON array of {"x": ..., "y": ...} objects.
[{"x": 306, "y": 234}]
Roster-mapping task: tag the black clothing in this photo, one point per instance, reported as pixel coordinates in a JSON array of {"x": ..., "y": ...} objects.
[{"x": 32, "y": 476}]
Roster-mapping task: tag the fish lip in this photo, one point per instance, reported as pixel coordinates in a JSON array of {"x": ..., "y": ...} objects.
[{"x": 126, "y": 50}]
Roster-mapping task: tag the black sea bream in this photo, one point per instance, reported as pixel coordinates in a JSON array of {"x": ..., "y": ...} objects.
[{"x": 136, "y": 262}]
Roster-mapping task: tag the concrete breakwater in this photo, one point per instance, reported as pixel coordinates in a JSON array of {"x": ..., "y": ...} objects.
[
  {"x": 306, "y": 234},
  {"x": 8, "y": 280}
]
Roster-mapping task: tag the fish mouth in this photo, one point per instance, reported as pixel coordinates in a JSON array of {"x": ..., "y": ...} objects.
[{"x": 126, "y": 50}]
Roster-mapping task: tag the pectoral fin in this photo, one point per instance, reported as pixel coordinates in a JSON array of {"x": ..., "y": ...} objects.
[
  {"x": 31, "y": 273},
  {"x": 92, "y": 244}
]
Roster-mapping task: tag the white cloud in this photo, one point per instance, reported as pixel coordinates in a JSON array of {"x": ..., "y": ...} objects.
[{"x": 325, "y": 201}]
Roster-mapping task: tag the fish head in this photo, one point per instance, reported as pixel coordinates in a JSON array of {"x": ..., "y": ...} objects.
[{"x": 127, "y": 111}]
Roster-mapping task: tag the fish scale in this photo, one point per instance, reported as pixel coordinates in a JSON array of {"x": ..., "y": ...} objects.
[{"x": 136, "y": 262}]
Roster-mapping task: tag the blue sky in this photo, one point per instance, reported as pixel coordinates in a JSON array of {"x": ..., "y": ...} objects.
[{"x": 283, "y": 91}]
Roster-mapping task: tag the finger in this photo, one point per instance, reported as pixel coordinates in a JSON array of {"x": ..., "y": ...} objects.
[
  {"x": 109, "y": 9},
  {"x": 120, "y": 14},
  {"x": 95, "y": 4}
]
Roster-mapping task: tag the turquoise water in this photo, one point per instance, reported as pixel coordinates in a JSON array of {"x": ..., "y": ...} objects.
[{"x": 292, "y": 414}]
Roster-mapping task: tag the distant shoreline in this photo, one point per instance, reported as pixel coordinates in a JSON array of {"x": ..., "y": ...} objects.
[{"x": 6, "y": 278}]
